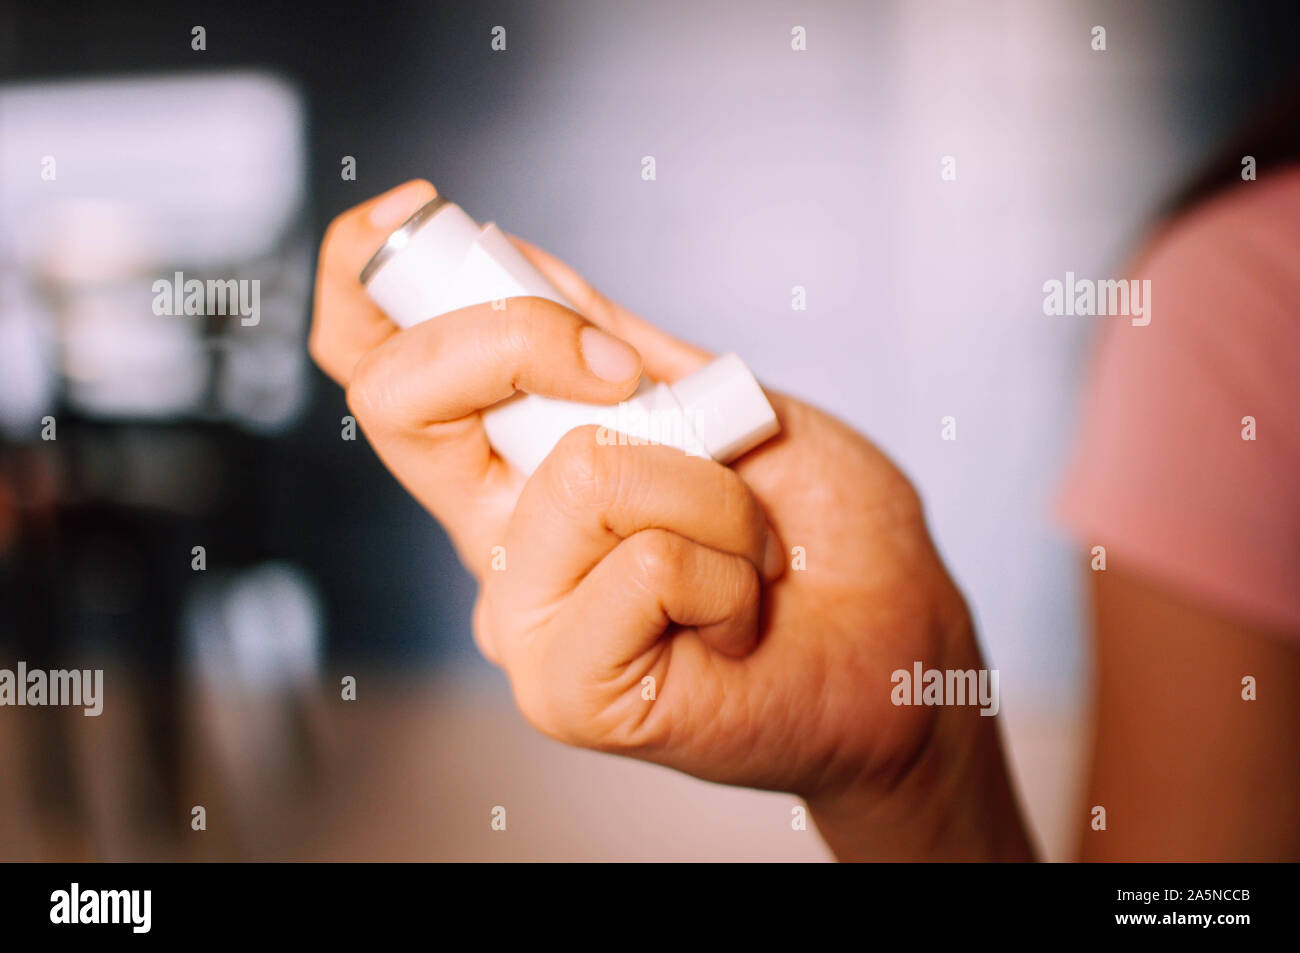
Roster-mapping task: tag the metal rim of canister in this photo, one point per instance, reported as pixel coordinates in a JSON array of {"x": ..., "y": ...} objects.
[{"x": 398, "y": 240}]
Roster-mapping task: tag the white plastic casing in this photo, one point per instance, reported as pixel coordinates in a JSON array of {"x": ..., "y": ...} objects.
[{"x": 441, "y": 260}]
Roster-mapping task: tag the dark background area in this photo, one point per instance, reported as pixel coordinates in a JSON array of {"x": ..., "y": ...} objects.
[{"x": 367, "y": 77}]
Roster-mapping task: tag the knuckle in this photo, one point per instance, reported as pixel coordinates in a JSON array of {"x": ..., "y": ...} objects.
[
  {"x": 658, "y": 558},
  {"x": 537, "y": 703},
  {"x": 515, "y": 333},
  {"x": 324, "y": 355},
  {"x": 580, "y": 474},
  {"x": 741, "y": 505},
  {"x": 481, "y": 628},
  {"x": 749, "y": 587},
  {"x": 535, "y": 327},
  {"x": 332, "y": 231},
  {"x": 315, "y": 346},
  {"x": 376, "y": 390},
  {"x": 365, "y": 393}
]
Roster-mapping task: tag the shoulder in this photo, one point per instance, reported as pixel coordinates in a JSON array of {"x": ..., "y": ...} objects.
[
  {"x": 1251, "y": 230},
  {"x": 1186, "y": 459}
]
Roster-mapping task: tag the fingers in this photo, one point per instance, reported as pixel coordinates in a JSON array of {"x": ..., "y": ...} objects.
[
  {"x": 588, "y": 497},
  {"x": 418, "y": 393},
  {"x": 590, "y": 674},
  {"x": 345, "y": 322},
  {"x": 582, "y": 677},
  {"x": 650, "y": 580},
  {"x": 447, "y": 369},
  {"x": 666, "y": 358}
]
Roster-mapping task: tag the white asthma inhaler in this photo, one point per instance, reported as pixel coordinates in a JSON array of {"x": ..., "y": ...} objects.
[{"x": 441, "y": 260}]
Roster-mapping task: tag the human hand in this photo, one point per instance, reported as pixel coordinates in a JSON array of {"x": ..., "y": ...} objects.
[{"x": 646, "y": 606}]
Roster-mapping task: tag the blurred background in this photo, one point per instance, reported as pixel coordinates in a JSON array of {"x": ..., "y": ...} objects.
[{"x": 126, "y": 155}]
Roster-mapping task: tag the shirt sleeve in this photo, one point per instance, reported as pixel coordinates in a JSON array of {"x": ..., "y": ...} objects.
[{"x": 1163, "y": 474}]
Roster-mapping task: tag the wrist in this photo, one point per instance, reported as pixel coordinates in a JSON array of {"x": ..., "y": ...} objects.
[
  {"x": 957, "y": 817},
  {"x": 954, "y": 799}
]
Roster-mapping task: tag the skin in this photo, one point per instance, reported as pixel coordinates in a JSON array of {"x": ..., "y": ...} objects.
[
  {"x": 1186, "y": 769},
  {"x": 625, "y": 564}
]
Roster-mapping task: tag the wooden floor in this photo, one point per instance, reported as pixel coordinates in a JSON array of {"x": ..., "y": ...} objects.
[{"x": 411, "y": 770}]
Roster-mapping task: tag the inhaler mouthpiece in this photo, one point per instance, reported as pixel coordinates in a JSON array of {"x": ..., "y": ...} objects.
[{"x": 441, "y": 260}]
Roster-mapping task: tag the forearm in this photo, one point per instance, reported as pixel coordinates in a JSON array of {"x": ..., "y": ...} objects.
[{"x": 1188, "y": 762}]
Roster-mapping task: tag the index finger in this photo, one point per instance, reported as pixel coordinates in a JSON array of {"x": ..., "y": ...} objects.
[
  {"x": 666, "y": 358},
  {"x": 346, "y": 324}
]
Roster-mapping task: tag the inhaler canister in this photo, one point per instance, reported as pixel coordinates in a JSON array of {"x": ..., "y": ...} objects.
[{"x": 441, "y": 260}]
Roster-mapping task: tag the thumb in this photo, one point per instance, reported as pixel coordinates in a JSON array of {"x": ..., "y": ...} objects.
[{"x": 664, "y": 357}]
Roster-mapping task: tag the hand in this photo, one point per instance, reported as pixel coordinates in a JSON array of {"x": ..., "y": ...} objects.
[{"x": 647, "y": 604}]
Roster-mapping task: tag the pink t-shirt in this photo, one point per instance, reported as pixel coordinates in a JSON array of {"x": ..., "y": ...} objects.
[{"x": 1161, "y": 475}]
